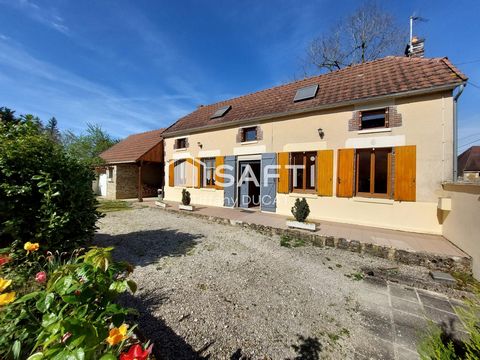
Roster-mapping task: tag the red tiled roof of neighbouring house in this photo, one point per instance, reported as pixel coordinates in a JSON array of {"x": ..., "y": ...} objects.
[
  {"x": 390, "y": 75},
  {"x": 469, "y": 160},
  {"x": 133, "y": 147}
]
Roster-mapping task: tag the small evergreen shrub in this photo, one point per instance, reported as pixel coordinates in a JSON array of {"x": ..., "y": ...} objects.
[
  {"x": 185, "y": 197},
  {"x": 301, "y": 210}
]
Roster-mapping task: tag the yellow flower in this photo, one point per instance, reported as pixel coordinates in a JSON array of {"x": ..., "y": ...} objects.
[
  {"x": 4, "y": 283},
  {"x": 7, "y": 298},
  {"x": 117, "y": 335},
  {"x": 31, "y": 246}
]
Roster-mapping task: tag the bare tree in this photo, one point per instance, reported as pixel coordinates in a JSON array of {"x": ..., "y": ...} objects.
[{"x": 368, "y": 34}]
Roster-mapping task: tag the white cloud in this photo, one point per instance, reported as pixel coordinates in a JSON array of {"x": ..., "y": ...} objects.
[
  {"x": 30, "y": 85},
  {"x": 43, "y": 14}
]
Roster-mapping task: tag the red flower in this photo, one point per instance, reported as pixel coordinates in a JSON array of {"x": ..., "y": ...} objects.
[
  {"x": 136, "y": 352},
  {"x": 41, "y": 277},
  {"x": 4, "y": 259}
]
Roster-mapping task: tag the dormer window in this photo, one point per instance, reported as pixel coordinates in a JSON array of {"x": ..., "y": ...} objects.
[
  {"x": 180, "y": 143},
  {"x": 373, "y": 119}
]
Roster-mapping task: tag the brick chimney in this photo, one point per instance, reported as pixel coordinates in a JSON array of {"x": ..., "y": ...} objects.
[{"x": 418, "y": 48}]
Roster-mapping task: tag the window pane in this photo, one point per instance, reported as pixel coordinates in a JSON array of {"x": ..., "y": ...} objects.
[
  {"x": 310, "y": 169},
  {"x": 373, "y": 119},
  {"x": 363, "y": 171},
  {"x": 381, "y": 171},
  {"x": 250, "y": 134},
  {"x": 208, "y": 172},
  {"x": 297, "y": 172},
  {"x": 180, "y": 173}
]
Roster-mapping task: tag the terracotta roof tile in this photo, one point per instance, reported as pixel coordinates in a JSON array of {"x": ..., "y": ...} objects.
[
  {"x": 385, "y": 76},
  {"x": 133, "y": 147}
]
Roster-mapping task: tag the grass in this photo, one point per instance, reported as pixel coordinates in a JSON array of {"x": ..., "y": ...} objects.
[
  {"x": 113, "y": 205},
  {"x": 356, "y": 276},
  {"x": 287, "y": 241}
]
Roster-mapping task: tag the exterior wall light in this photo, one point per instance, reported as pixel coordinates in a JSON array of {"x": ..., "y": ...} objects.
[{"x": 321, "y": 133}]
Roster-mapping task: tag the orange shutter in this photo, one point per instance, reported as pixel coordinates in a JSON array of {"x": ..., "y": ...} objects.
[
  {"x": 325, "y": 172},
  {"x": 197, "y": 175},
  {"x": 345, "y": 172},
  {"x": 171, "y": 172},
  {"x": 219, "y": 175},
  {"x": 405, "y": 173},
  {"x": 283, "y": 161}
]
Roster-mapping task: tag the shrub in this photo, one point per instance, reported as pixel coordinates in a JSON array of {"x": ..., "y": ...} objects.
[
  {"x": 45, "y": 195},
  {"x": 439, "y": 343},
  {"x": 185, "y": 197},
  {"x": 301, "y": 210},
  {"x": 71, "y": 313}
]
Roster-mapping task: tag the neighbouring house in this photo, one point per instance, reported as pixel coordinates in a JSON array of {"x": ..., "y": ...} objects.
[
  {"x": 469, "y": 164},
  {"x": 370, "y": 144},
  {"x": 134, "y": 168}
]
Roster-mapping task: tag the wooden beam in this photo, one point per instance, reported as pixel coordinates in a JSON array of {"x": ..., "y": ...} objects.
[{"x": 140, "y": 184}]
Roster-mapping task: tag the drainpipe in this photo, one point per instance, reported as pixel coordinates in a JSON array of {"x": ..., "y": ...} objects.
[{"x": 455, "y": 131}]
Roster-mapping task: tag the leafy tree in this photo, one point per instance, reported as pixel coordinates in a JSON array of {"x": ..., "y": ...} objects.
[
  {"x": 369, "y": 33},
  {"x": 45, "y": 195},
  {"x": 88, "y": 146},
  {"x": 7, "y": 115}
]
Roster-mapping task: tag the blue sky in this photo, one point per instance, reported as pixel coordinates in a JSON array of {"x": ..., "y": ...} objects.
[{"x": 138, "y": 65}]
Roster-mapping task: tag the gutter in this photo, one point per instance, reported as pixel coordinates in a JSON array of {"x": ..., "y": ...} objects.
[
  {"x": 455, "y": 131},
  {"x": 309, "y": 110}
]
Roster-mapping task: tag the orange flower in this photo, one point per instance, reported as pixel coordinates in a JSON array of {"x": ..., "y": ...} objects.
[
  {"x": 117, "y": 335},
  {"x": 31, "y": 246},
  {"x": 7, "y": 298}
]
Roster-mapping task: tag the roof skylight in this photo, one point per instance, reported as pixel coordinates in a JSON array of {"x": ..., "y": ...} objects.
[
  {"x": 306, "y": 93},
  {"x": 220, "y": 112}
]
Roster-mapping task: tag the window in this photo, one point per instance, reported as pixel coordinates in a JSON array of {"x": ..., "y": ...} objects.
[
  {"x": 110, "y": 173},
  {"x": 373, "y": 177},
  {"x": 181, "y": 143},
  {"x": 373, "y": 119},
  {"x": 208, "y": 172},
  {"x": 249, "y": 134},
  {"x": 180, "y": 173},
  {"x": 306, "y": 93},
  {"x": 302, "y": 174},
  {"x": 220, "y": 112}
]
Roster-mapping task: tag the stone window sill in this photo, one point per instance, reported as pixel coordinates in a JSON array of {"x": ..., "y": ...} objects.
[
  {"x": 373, "y": 200},
  {"x": 249, "y": 142},
  {"x": 374, "y": 131},
  {"x": 182, "y": 149},
  {"x": 303, "y": 195}
]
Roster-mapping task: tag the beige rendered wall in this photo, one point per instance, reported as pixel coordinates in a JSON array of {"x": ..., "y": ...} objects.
[
  {"x": 426, "y": 123},
  {"x": 461, "y": 225}
]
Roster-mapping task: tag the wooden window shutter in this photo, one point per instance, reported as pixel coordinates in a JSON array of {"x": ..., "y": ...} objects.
[
  {"x": 198, "y": 172},
  {"x": 283, "y": 173},
  {"x": 171, "y": 172},
  {"x": 325, "y": 172},
  {"x": 219, "y": 161},
  {"x": 187, "y": 169},
  {"x": 345, "y": 172},
  {"x": 405, "y": 173},
  {"x": 259, "y": 133}
]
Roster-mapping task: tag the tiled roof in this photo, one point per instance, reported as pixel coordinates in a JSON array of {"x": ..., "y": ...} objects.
[
  {"x": 133, "y": 147},
  {"x": 381, "y": 77},
  {"x": 469, "y": 160}
]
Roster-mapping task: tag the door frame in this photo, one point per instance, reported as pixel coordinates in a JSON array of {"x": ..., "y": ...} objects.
[{"x": 243, "y": 159}]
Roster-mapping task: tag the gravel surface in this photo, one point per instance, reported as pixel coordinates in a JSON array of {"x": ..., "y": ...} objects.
[{"x": 207, "y": 290}]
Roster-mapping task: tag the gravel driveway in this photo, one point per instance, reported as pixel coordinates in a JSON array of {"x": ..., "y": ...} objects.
[{"x": 207, "y": 290}]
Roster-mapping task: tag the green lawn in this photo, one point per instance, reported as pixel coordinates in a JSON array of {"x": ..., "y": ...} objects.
[{"x": 113, "y": 205}]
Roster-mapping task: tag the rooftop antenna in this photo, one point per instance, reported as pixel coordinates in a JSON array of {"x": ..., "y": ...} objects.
[{"x": 412, "y": 19}]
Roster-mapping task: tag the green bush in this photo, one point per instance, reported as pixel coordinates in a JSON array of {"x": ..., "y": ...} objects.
[
  {"x": 45, "y": 195},
  {"x": 71, "y": 314},
  {"x": 440, "y": 344},
  {"x": 301, "y": 210},
  {"x": 185, "y": 197}
]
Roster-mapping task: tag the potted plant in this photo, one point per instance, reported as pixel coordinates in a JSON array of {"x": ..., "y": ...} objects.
[
  {"x": 185, "y": 205},
  {"x": 160, "y": 202},
  {"x": 300, "y": 211}
]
